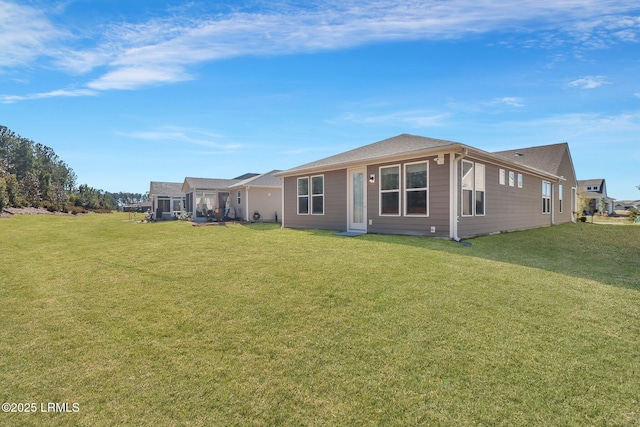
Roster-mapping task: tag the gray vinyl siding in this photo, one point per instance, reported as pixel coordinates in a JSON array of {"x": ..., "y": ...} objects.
[
  {"x": 438, "y": 200},
  {"x": 335, "y": 203},
  {"x": 566, "y": 170},
  {"x": 506, "y": 208},
  {"x": 266, "y": 201}
]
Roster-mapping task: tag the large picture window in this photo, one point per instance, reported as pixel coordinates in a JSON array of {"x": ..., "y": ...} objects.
[
  {"x": 416, "y": 188},
  {"x": 390, "y": 190},
  {"x": 546, "y": 197},
  {"x": 473, "y": 189}
]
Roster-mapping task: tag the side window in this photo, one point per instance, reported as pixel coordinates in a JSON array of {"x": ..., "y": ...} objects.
[
  {"x": 467, "y": 188},
  {"x": 303, "y": 196},
  {"x": 416, "y": 182},
  {"x": 390, "y": 190},
  {"x": 546, "y": 197},
  {"x": 560, "y": 198},
  {"x": 317, "y": 195},
  {"x": 473, "y": 188}
]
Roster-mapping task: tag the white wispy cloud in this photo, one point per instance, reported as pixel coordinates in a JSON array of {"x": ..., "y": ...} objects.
[
  {"x": 25, "y": 34},
  {"x": 509, "y": 101},
  {"x": 9, "y": 99},
  {"x": 413, "y": 118},
  {"x": 182, "y": 135},
  {"x": 589, "y": 82},
  {"x": 162, "y": 50}
]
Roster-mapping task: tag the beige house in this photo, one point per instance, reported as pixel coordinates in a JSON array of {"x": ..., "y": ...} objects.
[
  {"x": 258, "y": 198},
  {"x": 250, "y": 197},
  {"x": 595, "y": 191},
  {"x": 167, "y": 199},
  {"x": 428, "y": 187}
]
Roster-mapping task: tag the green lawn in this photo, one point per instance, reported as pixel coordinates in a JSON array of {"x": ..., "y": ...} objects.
[{"x": 168, "y": 324}]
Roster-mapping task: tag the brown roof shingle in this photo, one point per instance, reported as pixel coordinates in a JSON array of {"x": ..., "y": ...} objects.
[
  {"x": 547, "y": 158},
  {"x": 397, "y": 145}
]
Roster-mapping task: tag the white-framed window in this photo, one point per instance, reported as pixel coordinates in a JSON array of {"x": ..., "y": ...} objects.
[
  {"x": 519, "y": 180},
  {"x": 303, "y": 196},
  {"x": 473, "y": 189},
  {"x": 416, "y": 189},
  {"x": 480, "y": 189},
  {"x": 239, "y": 197},
  {"x": 560, "y": 198},
  {"x": 390, "y": 190},
  {"x": 311, "y": 197},
  {"x": 511, "y": 178},
  {"x": 503, "y": 178},
  {"x": 546, "y": 197},
  {"x": 317, "y": 195}
]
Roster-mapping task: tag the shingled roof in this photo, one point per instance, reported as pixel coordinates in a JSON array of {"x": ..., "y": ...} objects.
[
  {"x": 547, "y": 158},
  {"x": 208, "y": 183},
  {"x": 262, "y": 180},
  {"x": 397, "y": 145},
  {"x": 170, "y": 189}
]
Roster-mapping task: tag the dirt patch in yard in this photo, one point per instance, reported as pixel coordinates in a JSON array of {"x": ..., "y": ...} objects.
[{"x": 9, "y": 212}]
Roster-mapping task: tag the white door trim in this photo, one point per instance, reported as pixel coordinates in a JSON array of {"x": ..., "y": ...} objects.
[{"x": 351, "y": 225}]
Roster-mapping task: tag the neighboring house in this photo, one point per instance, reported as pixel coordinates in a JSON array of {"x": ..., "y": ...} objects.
[
  {"x": 257, "y": 197},
  {"x": 428, "y": 187},
  {"x": 595, "y": 190},
  {"x": 137, "y": 207},
  {"x": 625, "y": 205},
  {"x": 206, "y": 198},
  {"x": 241, "y": 197},
  {"x": 167, "y": 199}
]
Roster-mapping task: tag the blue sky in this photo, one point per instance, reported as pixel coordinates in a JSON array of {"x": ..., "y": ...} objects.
[{"x": 128, "y": 92}]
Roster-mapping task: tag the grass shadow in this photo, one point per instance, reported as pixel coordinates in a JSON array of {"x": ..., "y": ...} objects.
[{"x": 609, "y": 254}]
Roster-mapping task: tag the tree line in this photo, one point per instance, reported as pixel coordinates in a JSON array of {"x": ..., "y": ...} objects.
[{"x": 32, "y": 174}]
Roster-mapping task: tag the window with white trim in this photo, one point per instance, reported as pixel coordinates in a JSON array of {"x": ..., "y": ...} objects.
[
  {"x": 560, "y": 198},
  {"x": 303, "y": 196},
  {"x": 503, "y": 177},
  {"x": 239, "y": 200},
  {"x": 390, "y": 190},
  {"x": 311, "y": 195},
  {"x": 519, "y": 180},
  {"x": 511, "y": 179},
  {"x": 416, "y": 189},
  {"x": 480, "y": 189},
  {"x": 317, "y": 195},
  {"x": 473, "y": 189},
  {"x": 546, "y": 197}
]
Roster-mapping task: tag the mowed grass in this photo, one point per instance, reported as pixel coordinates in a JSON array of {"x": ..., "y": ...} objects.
[{"x": 168, "y": 324}]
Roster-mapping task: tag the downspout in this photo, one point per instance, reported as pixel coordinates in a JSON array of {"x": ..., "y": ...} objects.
[
  {"x": 453, "y": 193},
  {"x": 553, "y": 204}
]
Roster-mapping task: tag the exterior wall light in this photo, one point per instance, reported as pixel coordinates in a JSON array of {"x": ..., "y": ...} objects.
[{"x": 372, "y": 178}]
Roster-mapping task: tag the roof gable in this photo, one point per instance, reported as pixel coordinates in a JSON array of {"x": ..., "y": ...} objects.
[{"x": 547, "y": 158}]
